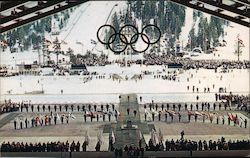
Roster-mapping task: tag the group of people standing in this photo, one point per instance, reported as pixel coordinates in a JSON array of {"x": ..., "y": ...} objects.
[{"x": 156, "y": 110}]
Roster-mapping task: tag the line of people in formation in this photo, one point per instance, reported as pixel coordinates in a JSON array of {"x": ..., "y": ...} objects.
[
  {"x": 66, "y": 107},
  {"x": 62, "y": 118},
  {"x": 46, "y": 147},
  {"x": 42, "y": 121},
  {"x": 10, "y": 106},
  {"x": 169, "y": 113},
  {"x": 205, "y": 106}
]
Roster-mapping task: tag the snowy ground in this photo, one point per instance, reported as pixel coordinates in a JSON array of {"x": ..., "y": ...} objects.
[{"x": 107, "y": 90}]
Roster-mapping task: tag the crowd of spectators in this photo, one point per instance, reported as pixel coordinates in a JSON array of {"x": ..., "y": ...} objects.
[
  {"x": 40, "y": 147},
  {"x": 91, "y": 59},
  {"x": 184, "y": 145},
  {"x": 178, "y": 145},
  {"x": 242, "y": 101},
  {"x": 165, "y": 59},
  {"x": 8, "y": 106}
]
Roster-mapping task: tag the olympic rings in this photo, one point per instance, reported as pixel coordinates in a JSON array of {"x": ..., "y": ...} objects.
[
  {"x": 133, "y": 39},
  {"x": 142, "y": 34},
  {"x": 115, "y": 51},
  {"x": 99, "y": 31},
  {"x": 137, "y": 33},
  {"x": 157, "y": 28}
]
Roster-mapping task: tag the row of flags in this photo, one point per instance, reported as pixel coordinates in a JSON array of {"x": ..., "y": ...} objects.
[
  {"x": 70, "y": 115},
  {"x": 211, "y": 116},
  {"x": 87, "y": 137},
  {"x": 156, "y": 137}
]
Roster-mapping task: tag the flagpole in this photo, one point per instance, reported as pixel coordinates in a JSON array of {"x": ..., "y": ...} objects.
[{"x": 238, "y": 49}]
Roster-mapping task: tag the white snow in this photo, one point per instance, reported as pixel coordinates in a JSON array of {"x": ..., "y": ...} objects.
[
  {"x": 230, "y": 37},
  {"x": 88, "y": 17},
  {"x": 92, "y": 15},
  {"x": 187, "y": 26},
  {"x": 74, "y": 88}
]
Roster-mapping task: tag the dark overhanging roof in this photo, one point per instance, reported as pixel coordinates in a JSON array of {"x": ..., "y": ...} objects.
[
  {"x": 29, "y": 11},
  {"x": 237, "y": 11}
]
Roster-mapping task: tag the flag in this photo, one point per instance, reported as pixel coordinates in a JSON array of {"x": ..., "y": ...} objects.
[
  {"x": 211, "y": 116},
  {"x": 140, "y": 135},
  {"x": 160, "y": 135},
  {"x": 93, "y": 41},
  {"x": 152, "y": 134},
  {"x": 46, "y": 119},
  {"x": 99, "y": 137},
  {"x": 112, "y": 136},
  {"x": 190, "y": 113},
  {"x": 230, "y": 116},
  {"x": 198, "y": 113},
  {"x": 37, "y": 120},
  {"x": 88, "y": 113},
  {"x": 203, "y": 113},
  {"x": 72, "y": 116},
  {"x": 57, "y": 115},
  {"x": 117, "y": 112},
  {"x": 155, "y": 112},
  {"x": 241, "y": 44},
  {"x": 222, "y": 117},
  {"x": 87, "y": 138},
  {"x": 154, "y": 137},
  {"x": 171, "y": 113},
  {"x": 234, "y": 117}
]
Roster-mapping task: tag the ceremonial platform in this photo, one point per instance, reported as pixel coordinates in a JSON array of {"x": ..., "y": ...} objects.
[{"x": 129, "y": 129}]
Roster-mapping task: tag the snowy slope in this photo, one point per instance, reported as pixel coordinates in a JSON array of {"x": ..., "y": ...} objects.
[
  {"x": 91, "y": 16},
  {"x": 230, "y": 37},
  {"x": 187, "y": 26}
]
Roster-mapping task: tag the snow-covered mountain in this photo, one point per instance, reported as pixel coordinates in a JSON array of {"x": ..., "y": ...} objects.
[{"x": 85, "y": 20}]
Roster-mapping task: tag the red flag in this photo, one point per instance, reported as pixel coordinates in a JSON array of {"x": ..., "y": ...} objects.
[
  {"x": 190, "y": 113},
  {"x": 230, "y": 116},
  {"x": 198, "y": 113}
]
